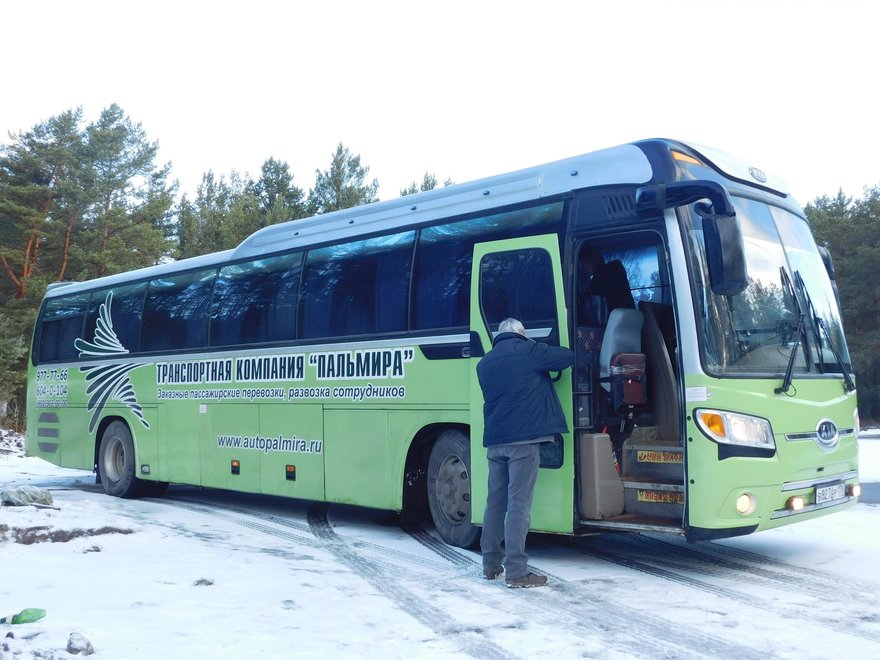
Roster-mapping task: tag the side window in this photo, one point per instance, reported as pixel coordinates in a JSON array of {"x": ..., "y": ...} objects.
[
  {"x": 642, "y": 264},
  {"x": 61, "y": 326},
  {"x": 442, "y": 278},
  {"x": 618, "y": 272},
  {"x": 519, "y": 284},
  {"x": 126, "y": 309},
  {"x": 444, "y": 254},
  {"x": 356, "y": 288},
  {"x": 176, "y": 312},
  {"x": 255, "y": 302}
]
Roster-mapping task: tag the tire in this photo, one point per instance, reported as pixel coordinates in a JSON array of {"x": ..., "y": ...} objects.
[
  {"x": 116, "y": 462},
  {"x": 449, "y": 489}
]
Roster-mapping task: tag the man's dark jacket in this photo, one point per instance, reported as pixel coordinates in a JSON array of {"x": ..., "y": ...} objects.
[{"x": 520, "y": 402}]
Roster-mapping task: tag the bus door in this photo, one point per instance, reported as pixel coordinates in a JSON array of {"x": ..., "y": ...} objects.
[{"x": 522, "y": 278}]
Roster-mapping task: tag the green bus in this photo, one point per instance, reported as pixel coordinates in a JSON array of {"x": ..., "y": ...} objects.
[{"x": 334, "y": 358}]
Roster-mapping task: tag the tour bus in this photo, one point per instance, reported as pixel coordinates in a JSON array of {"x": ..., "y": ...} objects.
[{"x": 334, "y": 358}]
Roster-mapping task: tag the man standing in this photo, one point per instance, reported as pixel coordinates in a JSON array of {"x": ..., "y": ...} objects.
[{"x": 520, "y": 411}]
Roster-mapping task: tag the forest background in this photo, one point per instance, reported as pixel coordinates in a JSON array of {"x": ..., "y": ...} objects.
[{"x": 82, "y": 200}]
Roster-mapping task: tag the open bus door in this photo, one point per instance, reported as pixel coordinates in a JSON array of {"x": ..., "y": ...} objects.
[{"x": 522, "y": 278}]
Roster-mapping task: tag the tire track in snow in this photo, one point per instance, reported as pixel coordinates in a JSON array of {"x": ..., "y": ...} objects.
[
  {"x": 571, "y": 615},
  {"x": 578, "y": 607},
  {"x": 238, "y": 518},
  {"x": 849, "y": 627},
  {"x": 572, "y": 607},
  {"x": 384, "y": 577},
  {"x": 821, "y": 583},
  {"x": 390, "y": 585}
]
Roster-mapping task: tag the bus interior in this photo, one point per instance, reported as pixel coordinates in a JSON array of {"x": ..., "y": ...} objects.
[{"x": 626, "y": 384}]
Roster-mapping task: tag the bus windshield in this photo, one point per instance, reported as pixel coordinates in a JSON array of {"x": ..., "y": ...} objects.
[{"x": 754, "y": 332}]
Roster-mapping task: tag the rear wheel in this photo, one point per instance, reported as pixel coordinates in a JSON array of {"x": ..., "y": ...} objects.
[
  {"x": 449, "y": 489},
  {"x": 116, "y": 462}
]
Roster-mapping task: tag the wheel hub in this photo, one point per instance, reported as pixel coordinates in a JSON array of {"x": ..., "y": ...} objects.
[{"x": 453, "y": 489}]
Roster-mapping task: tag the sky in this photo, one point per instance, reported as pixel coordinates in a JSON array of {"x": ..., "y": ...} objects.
[
  {"x": 462, "y": 89},
  {"x": 208, "y": 574}
]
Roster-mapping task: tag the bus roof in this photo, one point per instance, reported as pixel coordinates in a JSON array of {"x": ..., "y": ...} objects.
[{"x": 625, "y": 164}]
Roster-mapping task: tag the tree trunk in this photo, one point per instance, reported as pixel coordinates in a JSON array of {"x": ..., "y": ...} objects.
[
  {"x": 19, "y": 285},
  {"x": 65, "y": 252}
]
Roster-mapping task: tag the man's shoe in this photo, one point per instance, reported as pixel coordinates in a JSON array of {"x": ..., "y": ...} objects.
[
  {"x": 492, "y": 573},
  {"x": 526, "y": 581}
]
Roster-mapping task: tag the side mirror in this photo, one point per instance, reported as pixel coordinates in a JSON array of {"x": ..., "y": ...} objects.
[
  {"x": 825, "y": 253},
  {"x": 725, "y": 250}
]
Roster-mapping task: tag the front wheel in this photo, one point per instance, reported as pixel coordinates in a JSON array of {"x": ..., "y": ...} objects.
[
  {"x": 449, "y": 489},
  {"x": 116, "y": 462}
]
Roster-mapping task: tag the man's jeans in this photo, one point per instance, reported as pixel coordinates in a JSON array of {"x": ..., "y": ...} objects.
[{"x": 513, "y": 470}]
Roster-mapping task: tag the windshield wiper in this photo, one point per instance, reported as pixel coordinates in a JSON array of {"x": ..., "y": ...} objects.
[
  {"x": 798, "y": 333},
  {"x": 848, "y": 383},
  {"x": 789, "y": 370},
  {"x": 819, "y": 326},
  {"x": 814, "y": 318}
]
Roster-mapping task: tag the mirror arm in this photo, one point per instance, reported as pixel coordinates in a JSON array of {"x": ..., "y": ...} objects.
[{"x": 651, "y": 199}]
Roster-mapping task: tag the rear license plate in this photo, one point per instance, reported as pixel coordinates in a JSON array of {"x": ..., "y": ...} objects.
[{"x": 830, "y": 492}]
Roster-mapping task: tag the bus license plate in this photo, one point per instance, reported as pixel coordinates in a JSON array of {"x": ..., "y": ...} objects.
[{"x": 830, "y": 493}]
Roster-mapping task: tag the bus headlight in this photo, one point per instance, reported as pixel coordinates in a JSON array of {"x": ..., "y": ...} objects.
[{"x": 735, "y": 429}]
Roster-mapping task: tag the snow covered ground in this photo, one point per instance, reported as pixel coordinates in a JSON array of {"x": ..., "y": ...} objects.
[{"x": 212, "y": 574}]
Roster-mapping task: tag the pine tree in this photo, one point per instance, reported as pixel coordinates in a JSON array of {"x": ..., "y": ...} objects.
[
  {"x": 343, "y": 185},
  {"x": 41, "y": 195},
  {"x": 850, "y": 229},
  {"x": 127, "y": 224}
]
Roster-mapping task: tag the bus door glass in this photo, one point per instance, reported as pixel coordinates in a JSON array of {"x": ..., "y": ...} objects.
[{"x": 522, "y": 278}]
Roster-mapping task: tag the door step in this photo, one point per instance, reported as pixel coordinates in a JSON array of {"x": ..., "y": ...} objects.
[
  {"x": 652, "y": 459},
  {"x": 631, "y": 522},
  {"x": 655, "y": 498}
]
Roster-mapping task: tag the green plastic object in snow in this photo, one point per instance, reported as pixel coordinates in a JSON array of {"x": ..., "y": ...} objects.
[{"x": 27, "y": 615}]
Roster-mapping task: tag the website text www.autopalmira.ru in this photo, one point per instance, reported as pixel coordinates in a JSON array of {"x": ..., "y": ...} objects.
[{"x": 281, "y": 444}]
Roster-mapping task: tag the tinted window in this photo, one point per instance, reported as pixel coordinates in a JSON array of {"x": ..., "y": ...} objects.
[
  {"x": 520, "y": 285},
  {"x": 754, "y": 331},
  {"x": 176, "y": 312},
  {"x": 357, "y": 288},
  {"x": 61, "y": 326},
  {"x": 126, "y": 308},
  {"x": 444, "y": 254},
  {"x": 256, "y": 301},
  {"x": 642, "y": 264}
]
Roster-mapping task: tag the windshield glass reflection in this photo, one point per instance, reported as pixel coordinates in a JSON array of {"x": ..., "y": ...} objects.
[{"x": 755, "y": 332}]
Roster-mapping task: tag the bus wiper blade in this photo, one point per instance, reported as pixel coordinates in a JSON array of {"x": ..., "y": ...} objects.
[
  {"x": 788, "y": 287},
  {"x": 814, "y": 317},
  {"x": 786, "y": 382},
  {"x": 848, "y": 383},
  {"x": 820, "y": 327}
]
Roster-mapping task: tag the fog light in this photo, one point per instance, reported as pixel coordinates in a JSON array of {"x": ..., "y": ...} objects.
[
  {"x": 795, "y": 503},
  {"x": 745, "y": 504},
  {"x": 854, "y": 490}
]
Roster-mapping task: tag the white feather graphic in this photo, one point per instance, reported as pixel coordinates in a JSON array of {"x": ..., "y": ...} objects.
[{"x": 108, "y": 381}]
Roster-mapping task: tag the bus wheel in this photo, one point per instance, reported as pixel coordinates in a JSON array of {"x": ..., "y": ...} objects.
[
  {"x": 449, "y": 489},
  {"x": 116, "y": 462}
]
